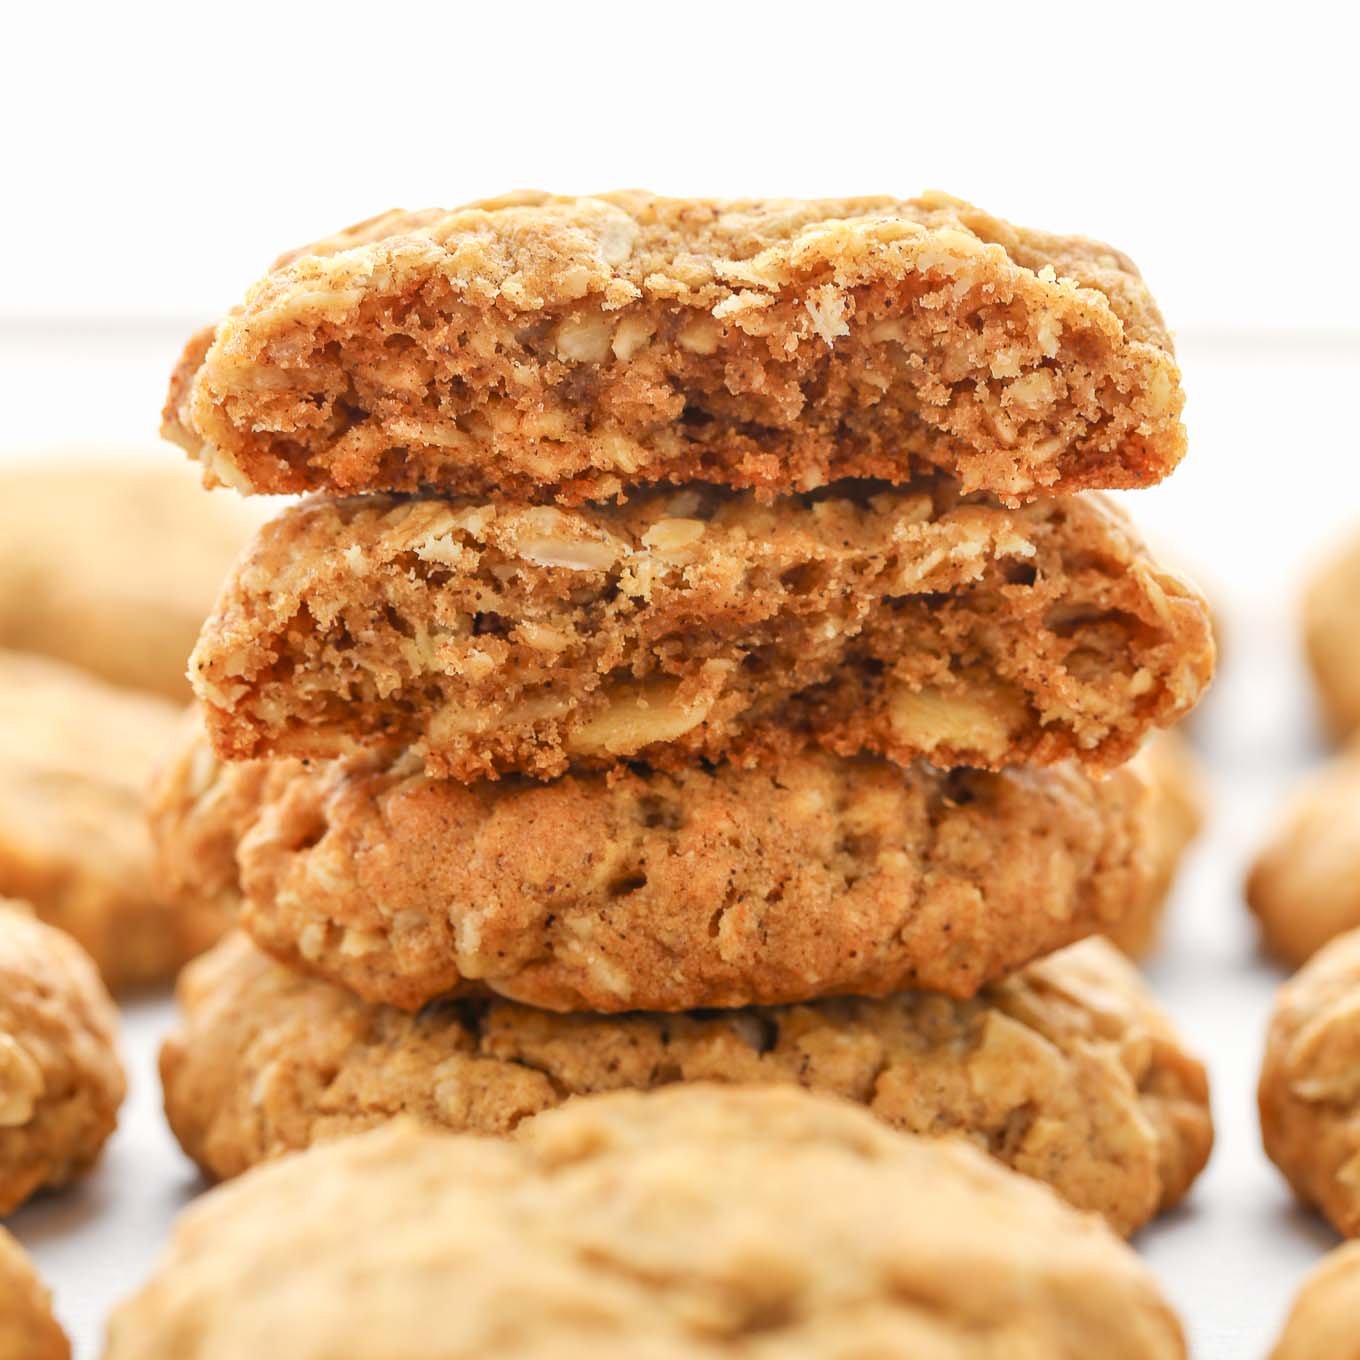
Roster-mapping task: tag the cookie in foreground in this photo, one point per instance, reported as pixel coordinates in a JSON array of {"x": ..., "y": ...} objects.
[
  {"x": 696, "y": 624},
  {"x": 1331, "y": 635},
  {"x": 1309, "y": 1091},
  {"x": 61, "y": 1082},
  {"x": 1304, "y": 886},
  {"x": 1068, "y": 1071},
  {"x": 535, "y": 346},
  {"x": 111, "y": 565},
  {"x": 28, "y": 1331},
  {"x": 692, "y": 1222},
  {"x": 1324, "y": 1321},
  {"x": 652, "y": 891},
  {"x": 76, "y": 755}
]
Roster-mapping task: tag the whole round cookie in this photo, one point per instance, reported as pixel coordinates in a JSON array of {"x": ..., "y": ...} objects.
[
  {"x": 1068, "y": 1071},
  {"x": 656, "y": 891},
  {"x": 1331, "y": 635},
  {"x": 1304, "y": 886},
  {"x": 1324, "y": 1321},
  {"x": 684, "y": 1225},
  {"x": 112, "y": 565},
  {"x": 28, "y": 1331},
  {"x": 60, "y": 1079},
  {"x": 76, "y": 756},
  {"x": 1310, "y": 1082}
]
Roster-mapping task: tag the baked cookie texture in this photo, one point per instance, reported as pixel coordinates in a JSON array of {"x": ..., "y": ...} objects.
[
  {"x": 672, "y": 1224},
  {"x": 61, "y": 1082},
  {"x": 1304, "y": 885},
  {"x": 1324, "y": 1321},
  {"x": 76, "y": 756},
  {"x": 706, "y": 887},
  {"x": 112, "y": 566},
  {"x": 1309, "y": 1091},
  {"x": 1331, "y": 634},
  {"x": 1068, "y": 1071},
  {"x": 546, "y": 347},
  {"x": 28, "y": 1331},
  {"x": 1178, "y": 807},
  {"x": 700, "y": 624}
]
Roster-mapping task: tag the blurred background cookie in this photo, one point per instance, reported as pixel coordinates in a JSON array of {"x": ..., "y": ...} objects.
[
  {"x": 1324, "y": 1323},
  {"x": 1331, "y": 635},
  {"x": 28, "y": 1331},
  {"x": 61, "y": 1081},
  {"x": 112, "y": 565},
  {"x": 76, "y": 756}
]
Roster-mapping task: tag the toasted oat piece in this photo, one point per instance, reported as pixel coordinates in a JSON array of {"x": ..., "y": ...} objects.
[
  {"x": 1331, "y": 634},
  {"x": 1068, "y": 1071},
  {"x": 724, "y": 887},
  {"x": 60, "y": 1079},
  {"x": 75, "y": 759},
  {"x": 695, "y": 1223},
  {"x": 28, "y": 1331},
  {"x": 111, "y": 566},
  {"x": 573, "y": 347},
  {"x": 1304, "y": 885},
  {"x": 701, "y": 624},
  {"x": 1324, "y": 1322},
  {"x": 1310, "y": 1083},
  {"x": 1177, "y": 808}
]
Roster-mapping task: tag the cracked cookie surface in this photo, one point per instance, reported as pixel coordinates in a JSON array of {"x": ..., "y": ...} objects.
[
  {"x": 722, "y": 887},
  {"x": 61, "y": 1082},
  {"x": 112, "y": 567},
  {"x": 28, "y": 1331},
  {"x": 1068, "y": 1071},
  {"x": 1309, "y": 1091},
  {"x": 76, "y": 756},
  {"x": 695, "y": 624},
  {"x": 1304, "y": 886},
  {"x": 678, "y": 1225},
  {"x": 572, "y": 347}
]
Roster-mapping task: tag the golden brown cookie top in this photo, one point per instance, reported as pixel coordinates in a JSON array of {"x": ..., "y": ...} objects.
[
  {"x": 647, "y": 890},
  {"x": 76, "y": 756},
  {"x": 61, "y": 1081},
  {"x": 1068, "y": 1071},
  {"x": 1331, "y": 635},
  {"x": 571, "y": 347},
  {"x": 1324, "y": 1321},
  {"x": 501, "y": 638},
  {"x": 1304, "y": 886},
  {"x": 693, "y": 1222},
  {"x": 111, "y": 565},
  {"x": 28, "y": 1331}
]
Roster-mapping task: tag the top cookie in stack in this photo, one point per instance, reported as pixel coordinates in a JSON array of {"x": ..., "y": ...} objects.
[{"x": 721, "y": 533}]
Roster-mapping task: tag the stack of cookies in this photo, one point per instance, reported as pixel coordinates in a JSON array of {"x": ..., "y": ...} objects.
[{"x": 700, "y": 660}]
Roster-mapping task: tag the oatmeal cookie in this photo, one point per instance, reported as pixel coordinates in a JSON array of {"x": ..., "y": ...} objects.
[
  {"x": 706, "y": 887},
  {"x": 1331, "y": 634},
  {"x": 1304, "y": 885},
  {"x": 541, "y": 347},
  {"x": 75, "y": 758},
  {"x": 28, "y": 1331},
  {"x": 701, "y": 624},
  {"x": 1068, "y": 1071},
  {"x": 60, "y": 1079},
  {"x": 685, "y": 1224},
  {"x": 1324, "y": 1323},
  {"x": 1310, "y": 1083},
  {"x": 113, "y": 566}
]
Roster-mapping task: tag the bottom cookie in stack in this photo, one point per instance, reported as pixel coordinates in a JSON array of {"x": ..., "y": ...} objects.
[{"x": 1067, "y": 1071}]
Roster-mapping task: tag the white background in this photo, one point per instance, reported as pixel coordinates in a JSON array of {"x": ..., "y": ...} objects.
[{"x": 156, "y": 158}]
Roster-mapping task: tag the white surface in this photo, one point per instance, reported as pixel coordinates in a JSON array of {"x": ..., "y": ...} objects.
[
  {"x": 160, "y": 155},
  {"x": 1273, "y": 475}
]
